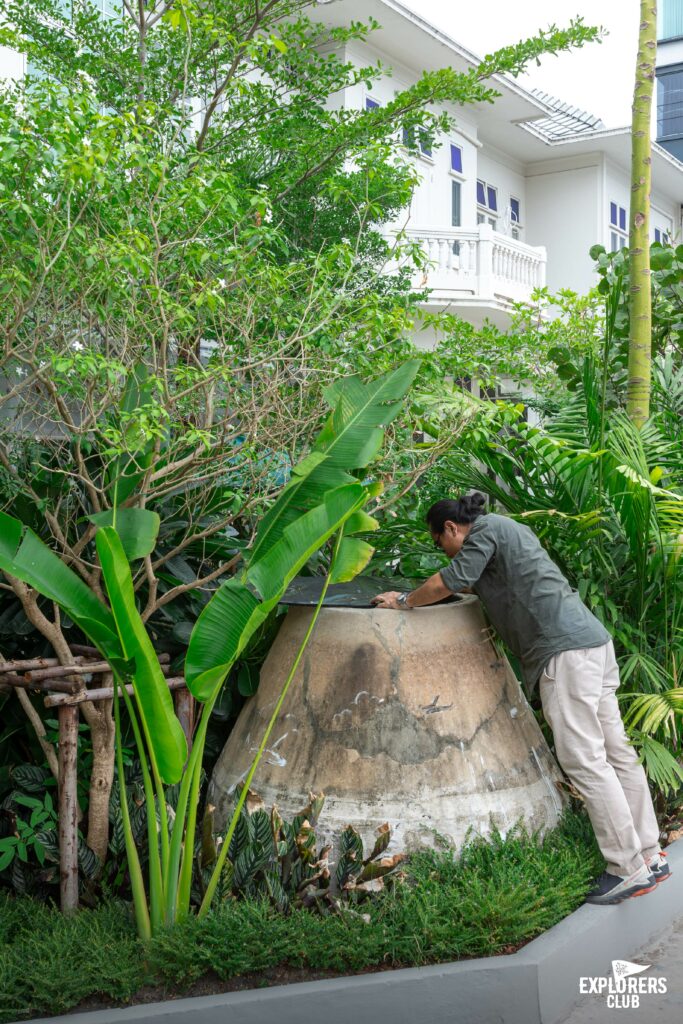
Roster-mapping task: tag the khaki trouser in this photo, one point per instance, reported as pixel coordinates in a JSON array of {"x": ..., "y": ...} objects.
[{"x": 579, "y": 703}]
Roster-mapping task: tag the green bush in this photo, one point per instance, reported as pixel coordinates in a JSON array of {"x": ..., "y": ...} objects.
[{"x": 492, "y": 897}]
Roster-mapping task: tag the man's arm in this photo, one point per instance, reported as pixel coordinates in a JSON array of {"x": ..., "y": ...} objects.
[{"x": 432, "y": 590}]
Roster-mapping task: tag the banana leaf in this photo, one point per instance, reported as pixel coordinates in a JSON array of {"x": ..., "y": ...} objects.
[
  {"x": 349, "y": 441},
  {"x": 137, "y": 529},
  {"x": 235, "y": 611},
  {"x": 163, "y": 731},
  {"x": 24, "y": 555}
]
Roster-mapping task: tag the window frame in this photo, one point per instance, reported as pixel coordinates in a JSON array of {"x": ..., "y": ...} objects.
[
  {"x": 487, "y": 214},
  {"x": 617, "y": 232},
  {"x": 451, "y": 169}
]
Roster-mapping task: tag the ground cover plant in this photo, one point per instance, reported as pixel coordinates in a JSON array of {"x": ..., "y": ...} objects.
[{"x": 494, "y": 896}]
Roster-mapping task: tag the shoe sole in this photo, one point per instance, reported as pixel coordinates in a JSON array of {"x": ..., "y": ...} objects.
[
  {"x": 663, "y": 878},
  {"x": 624, "y": 896}
]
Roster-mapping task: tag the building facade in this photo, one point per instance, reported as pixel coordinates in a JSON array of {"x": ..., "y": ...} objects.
[
  {"x": 516, "y": 196},
  {"x": 670, "y": 76}
]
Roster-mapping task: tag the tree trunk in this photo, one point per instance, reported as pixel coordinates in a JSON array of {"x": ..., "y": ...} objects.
[
  {"x": 101, "y": 775},
  {"x": 99, "y": 718},
  {"x": 68, "y": 810},
  {"x": 640, "y": 300}
]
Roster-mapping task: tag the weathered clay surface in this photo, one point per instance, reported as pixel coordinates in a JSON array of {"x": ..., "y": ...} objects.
[{"x": 405, "y": 717}]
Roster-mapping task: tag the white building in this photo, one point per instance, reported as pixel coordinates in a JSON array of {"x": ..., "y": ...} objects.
[{"x": 516, "y": 196}]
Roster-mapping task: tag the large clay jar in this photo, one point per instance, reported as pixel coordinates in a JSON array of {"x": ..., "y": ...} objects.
[{"x": 410, "y": 717}]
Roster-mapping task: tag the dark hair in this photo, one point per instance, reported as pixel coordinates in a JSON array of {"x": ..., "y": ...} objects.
[{"x": 458, "y": 510}]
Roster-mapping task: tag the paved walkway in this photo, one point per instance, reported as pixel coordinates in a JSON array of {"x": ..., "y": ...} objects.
[{"x": 665, "y": 954}]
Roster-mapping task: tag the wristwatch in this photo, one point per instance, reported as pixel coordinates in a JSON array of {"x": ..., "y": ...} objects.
[{"x": 402, "y": 600}]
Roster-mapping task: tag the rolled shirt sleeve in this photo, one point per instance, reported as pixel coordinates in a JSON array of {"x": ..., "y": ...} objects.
[{"x": 469, "y": 563}]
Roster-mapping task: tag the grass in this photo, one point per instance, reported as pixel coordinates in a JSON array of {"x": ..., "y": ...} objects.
[{"x": 491, "y": 898}]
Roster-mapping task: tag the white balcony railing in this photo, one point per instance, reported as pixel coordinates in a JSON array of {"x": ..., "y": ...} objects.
[{"x": 480, "y": 263}]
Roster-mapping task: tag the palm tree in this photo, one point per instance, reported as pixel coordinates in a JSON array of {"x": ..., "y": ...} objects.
[{"x": 640, "y": 303}]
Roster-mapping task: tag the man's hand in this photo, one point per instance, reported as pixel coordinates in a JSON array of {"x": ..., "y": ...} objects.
[
  {"x": 429, "y": 592},
  {"x": 388, "y": 600}
]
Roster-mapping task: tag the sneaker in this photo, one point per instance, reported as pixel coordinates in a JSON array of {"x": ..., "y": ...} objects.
[
  {"x": 610, "y": 889},
  {"x": 658, "y": 867}
]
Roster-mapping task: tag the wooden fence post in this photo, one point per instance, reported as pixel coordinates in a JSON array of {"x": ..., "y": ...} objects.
[{"x": 68, "y": 809}]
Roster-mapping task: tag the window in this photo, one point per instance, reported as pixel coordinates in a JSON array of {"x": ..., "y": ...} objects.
[
  {"x": 661, "y": 236},
  {"x": 425, "y": 143},
  {"x": 669, "y": 20},
  {"x": 670, "y": 103},
  {"x": 370, "y": 104},
  {"x": 617, "y": 227},
  {"x": 456, "y": 158},
  {"x": 423, "y": 140},
  {"x": 456, "y": 203},
  {"x": 515, "y": 217},
  {"x": 487, "y": 199}
]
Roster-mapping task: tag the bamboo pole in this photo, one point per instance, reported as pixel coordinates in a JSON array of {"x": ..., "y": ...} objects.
[
  {"x": 61, "y": 685},
  {"x": 82, "y": 670},
  {"x": 58, "y": 700},
  {"x": 68, "y": 810}
]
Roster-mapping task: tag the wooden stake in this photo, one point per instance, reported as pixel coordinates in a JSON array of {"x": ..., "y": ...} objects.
[
  {"x": 56, "y": 700},
  {"x": 68, "y": 809}
]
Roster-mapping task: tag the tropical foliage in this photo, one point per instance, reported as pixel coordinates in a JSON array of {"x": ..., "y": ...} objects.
[{"x": 323, "y": 498}]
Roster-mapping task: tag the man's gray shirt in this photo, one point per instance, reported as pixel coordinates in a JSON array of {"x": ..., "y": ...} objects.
[{"x": 527, "y": 599}]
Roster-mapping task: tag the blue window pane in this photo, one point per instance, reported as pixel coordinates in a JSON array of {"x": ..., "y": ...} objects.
[
  {"x": 456, "y": 159},
  {"x": 514, "y": 210},
  {"x": 481, "y": 195},
  {"x": 408, "y": 140},
  {"x": 425, "y": 144},
  {"x": 658, "y": 235},
  {"x": 370, "y": 104},
  {"x": 613, "y": 214},
  {"x": 622, "y": 218},
  {"x": 493, "y": 198}
]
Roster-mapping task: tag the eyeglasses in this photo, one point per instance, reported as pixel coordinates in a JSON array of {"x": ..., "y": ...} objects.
[{"x": 437, "y": 541}]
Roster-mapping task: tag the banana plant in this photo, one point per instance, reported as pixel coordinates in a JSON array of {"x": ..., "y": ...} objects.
[{"x": 323, "y": 500}]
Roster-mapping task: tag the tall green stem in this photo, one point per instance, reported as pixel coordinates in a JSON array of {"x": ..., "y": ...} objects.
[
  {"x": 135, "y": 871},
  {"x": 178, "y": 835},
  {"x": 215, "y": 875},
  {"x": 155, "y": 876}
]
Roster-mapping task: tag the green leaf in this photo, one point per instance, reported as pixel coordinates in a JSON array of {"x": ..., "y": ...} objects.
[
  {"x": 247, "y": 681},
  {"x": 301, "y": 539},
  {"x": 220, "y": 635},
  {"x": 352, "y": 557},
  {"x": 137, "y": 529},
  {"x": 27, "y": 801},
  {"x": 6, "y": 858},
  {"x": 349, "y": 440},
  {"x": 31, "y": 561},
  {"x": 128, "y": 469},
  {"x": 360, "y": 522},
  {"x": 153, "y": 697}
]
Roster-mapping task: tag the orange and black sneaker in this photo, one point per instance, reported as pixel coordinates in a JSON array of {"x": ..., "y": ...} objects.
[
  {"x": 610, "y": 889},
  {"x": 658, "y": 866}
]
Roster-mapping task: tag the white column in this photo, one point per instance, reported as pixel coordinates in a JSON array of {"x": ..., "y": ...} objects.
[{"x": 485, "y": 261}]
